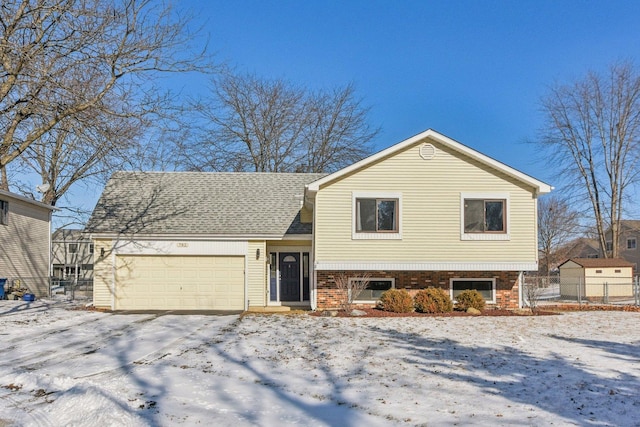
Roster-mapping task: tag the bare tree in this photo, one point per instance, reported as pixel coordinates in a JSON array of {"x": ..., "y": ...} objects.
[
  {"x": 262, "y": 125},
  {"x": 592, "y": 133},
  {"x": 557, "y": 223},
  {"x": 350, "y": 289},
  {"x": 64, "y": 63}
]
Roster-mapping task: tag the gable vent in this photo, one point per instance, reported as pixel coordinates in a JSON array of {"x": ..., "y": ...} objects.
[{"x": 427, "y": 151}]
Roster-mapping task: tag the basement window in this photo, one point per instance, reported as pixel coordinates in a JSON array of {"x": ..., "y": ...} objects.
[{"x": 486, "y": 288}]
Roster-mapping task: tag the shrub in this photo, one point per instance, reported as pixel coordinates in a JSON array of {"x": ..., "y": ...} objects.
[
  {"x": 432, "y": 300},
  {"x": 469, "y": 298},
  {"x": 397, "y": 301}
]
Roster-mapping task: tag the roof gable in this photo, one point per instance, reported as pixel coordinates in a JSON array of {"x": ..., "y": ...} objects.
[
  {"x": 538, "y": 186},
  {"x": 215, "y": 203},
  {"x": 599, "y": 262}
]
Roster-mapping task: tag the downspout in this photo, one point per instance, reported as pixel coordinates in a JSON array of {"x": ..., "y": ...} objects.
[
  {"x": 313, "y": 291},
  {"x": 520, "y": 290}
]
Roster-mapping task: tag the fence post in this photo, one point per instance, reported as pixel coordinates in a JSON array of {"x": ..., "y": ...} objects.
[
  {"x": 579, "y": 285},
  {"x": 605, "y": 293},
  {"x": 636, "y": 292}
]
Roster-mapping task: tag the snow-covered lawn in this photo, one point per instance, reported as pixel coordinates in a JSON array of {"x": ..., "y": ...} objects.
[{"x": 62, "y": 367}]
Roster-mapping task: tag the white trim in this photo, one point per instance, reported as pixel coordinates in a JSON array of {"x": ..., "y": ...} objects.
[
  {"x": 295, "y": 237},
  {"x": 486, "y": 196},
  {"x": 475, "y": 279},
  {"x": 184, "y": 247},
  {"x": 425, "y": 266},
  {"x": 539, "y": 186},
  {"x": 375, "y": 195},
  {"x": 14, "y": 196},
  {"x": 246, "y": 283}
]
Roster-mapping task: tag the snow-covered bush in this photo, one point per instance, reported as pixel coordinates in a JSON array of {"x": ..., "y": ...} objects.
[
  {"x": 432, "y": 300},
  {"x": 396, "y": 300}
]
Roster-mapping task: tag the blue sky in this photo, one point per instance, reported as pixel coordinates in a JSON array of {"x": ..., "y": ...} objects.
[{"x": 473, "y": 70}]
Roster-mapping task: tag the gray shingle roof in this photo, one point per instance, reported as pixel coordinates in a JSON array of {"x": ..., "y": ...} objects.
[{"x": 215, "y": 203}]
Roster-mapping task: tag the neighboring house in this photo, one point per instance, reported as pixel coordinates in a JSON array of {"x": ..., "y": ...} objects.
[
  {"x": 25, "y": 236},
  {"x": 596, "y": 278},
  {"x": 629, "y": 241},
  {"x": 71, "y": 256},
  {"x": 428, "y": 211}
]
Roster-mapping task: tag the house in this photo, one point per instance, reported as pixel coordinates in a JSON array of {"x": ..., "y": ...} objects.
[
  {"x": 427, "y": 211},
  {"x": 628, "y": 241},
  {"x": 71, "y": 256},
  {"x": 25, "y": 233},
  {"x": 601, "y": 279}
]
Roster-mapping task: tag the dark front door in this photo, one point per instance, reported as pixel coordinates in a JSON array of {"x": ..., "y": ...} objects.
[{"x": 289, "y": 276}]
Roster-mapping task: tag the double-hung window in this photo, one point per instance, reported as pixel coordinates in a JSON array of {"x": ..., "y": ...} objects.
[
  {"x": 631, "y": 243},
  {"x": 376, "y": 216},
  {"x": 485, "y": 216}
]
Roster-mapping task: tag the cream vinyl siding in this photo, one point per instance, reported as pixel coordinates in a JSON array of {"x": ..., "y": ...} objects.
[
  {"x": 257, "y": 274},
  {"x": 24, "y": 241},
  {"x": 153, "y": 282},
  {"x": 102, "y": 274},
  {"x": 431, "y": 216}
]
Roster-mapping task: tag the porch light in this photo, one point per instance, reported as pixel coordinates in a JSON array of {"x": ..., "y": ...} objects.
[{"x": 258, "y": 253}]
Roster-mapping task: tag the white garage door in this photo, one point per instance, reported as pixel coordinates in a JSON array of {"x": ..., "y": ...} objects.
[{"x": 179, "y": 283}]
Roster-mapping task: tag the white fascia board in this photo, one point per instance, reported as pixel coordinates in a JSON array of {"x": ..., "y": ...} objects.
[
  {"x": 541, "y": 187},
  {"x": 425, "y": 266},
  {"x": 27, "y": 200}
]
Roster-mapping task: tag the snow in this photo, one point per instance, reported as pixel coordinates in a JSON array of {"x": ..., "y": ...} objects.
[{"x": 69, "y": 367}]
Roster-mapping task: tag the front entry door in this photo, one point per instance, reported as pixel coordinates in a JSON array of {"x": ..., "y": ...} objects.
[{"x": 289, "y": 276}]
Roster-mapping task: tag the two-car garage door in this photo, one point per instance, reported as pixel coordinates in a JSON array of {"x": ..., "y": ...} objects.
[{"x": 179, "y": 282}]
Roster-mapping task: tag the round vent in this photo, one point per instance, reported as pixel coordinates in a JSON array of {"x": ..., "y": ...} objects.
[{"x": 427, "y": 151}]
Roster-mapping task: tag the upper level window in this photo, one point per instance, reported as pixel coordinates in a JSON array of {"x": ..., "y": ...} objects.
[
  {"x": 91, "y": 248},
  {"x": 73, "y": 248},
  {"x": 631, "y": 243},
  {"x": 484, "y": 216},
  {"x": 377, "y": 215},
  {"x": 4, "y": 212}
]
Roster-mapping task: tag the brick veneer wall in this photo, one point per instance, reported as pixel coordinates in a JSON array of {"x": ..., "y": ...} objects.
[{"x": 506, "y": 283}]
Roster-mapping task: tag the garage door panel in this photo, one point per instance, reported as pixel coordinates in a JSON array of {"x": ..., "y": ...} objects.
[{"x": 178, "y": 282}]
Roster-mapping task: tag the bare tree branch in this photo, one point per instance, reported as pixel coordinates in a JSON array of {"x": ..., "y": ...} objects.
[
  {"x": 256, "y": 124},
  {"x": 592, "y": 134}
]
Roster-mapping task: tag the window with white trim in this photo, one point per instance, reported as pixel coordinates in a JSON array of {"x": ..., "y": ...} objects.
[
  {"x": 484, "y": 216},
  {"x": 4, "y": 212},
  {"x": 486, "y": 288},
  {"x": 374, "y": 289},
  {"x": 377, "y": 215}
]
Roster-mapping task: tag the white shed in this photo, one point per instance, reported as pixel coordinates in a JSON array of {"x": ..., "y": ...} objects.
[{"x": 596, "y": 278}]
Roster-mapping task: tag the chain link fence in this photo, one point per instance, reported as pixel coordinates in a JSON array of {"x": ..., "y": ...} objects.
[
  {"x": 551, "y": 289},
  {"x": 75, "y": 289}
]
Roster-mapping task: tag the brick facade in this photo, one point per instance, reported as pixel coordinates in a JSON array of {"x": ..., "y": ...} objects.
[{"x": 506, "y": 283}]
